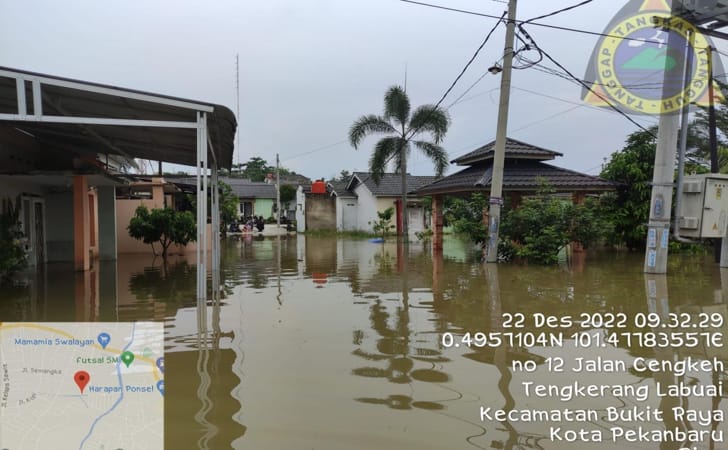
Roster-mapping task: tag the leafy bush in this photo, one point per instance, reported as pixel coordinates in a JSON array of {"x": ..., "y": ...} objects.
[
  {"x": 466, "y": 217},
  {"x": 543, "y": 225},
  {"x": 629, "y": 207},
  {"x": 538, "y": 229},
  {"x": 383, "y": 226},
  {"x": 163, "y": 225},
  {"x": 12, "y": 254}
]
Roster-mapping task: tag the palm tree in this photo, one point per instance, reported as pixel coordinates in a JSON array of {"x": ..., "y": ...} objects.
[{"x": 401, "y": 129}]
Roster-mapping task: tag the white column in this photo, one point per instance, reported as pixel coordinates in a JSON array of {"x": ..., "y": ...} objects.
[
  {"x": 215, "y": 188},
  {"x": 201, "y": 209}
]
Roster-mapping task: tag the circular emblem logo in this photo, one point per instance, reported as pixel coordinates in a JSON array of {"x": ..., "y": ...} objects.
[{"x": 640, "y": 73}]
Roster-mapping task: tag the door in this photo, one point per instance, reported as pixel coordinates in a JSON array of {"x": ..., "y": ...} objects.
[
  {"x": 348, "y": 214},
  {"x": 416, "y": 219}
]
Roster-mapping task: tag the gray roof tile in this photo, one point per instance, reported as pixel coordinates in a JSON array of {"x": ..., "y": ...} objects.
[
  {"x": 242, "y": 187},
  {"x": 514, "y": 149},
  {"x": 523, "y": 175},
  {"x": 339, "y": 187},
  {"x": 391, "y": 184}
]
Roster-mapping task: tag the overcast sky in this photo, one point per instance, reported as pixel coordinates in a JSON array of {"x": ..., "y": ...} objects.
[{"x": 309, "y": 68}]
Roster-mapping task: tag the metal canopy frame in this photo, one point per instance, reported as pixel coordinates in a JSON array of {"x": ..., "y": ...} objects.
[
  {"x": 95, "y": 105},
  {"x": 711, "y": 17}
]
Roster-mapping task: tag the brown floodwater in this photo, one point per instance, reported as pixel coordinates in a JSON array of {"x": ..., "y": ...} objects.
[{"x": 324, "y": 343}]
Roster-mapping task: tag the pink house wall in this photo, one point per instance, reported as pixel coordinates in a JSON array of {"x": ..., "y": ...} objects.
[{"x": 125, "y": 211}]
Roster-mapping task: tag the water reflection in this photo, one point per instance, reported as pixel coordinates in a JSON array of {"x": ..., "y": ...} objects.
[{"x": 321, "y": 343}]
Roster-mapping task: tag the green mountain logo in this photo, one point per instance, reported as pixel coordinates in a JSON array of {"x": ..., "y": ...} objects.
[{"x": 651, "y": 59}]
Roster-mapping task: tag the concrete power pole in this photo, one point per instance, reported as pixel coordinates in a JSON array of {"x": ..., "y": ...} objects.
[
  {"x": 278, "y": 192},
  {"x": 658, "y": 232},
  {"x": 496, "y": 186}
]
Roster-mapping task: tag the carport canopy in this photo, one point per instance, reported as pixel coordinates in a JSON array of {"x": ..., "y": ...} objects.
[
  {"x": 82, "y": 119},
  {"x": 90, "y": 118}
]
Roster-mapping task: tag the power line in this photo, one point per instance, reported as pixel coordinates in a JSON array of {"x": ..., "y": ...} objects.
[
  {"x": 586, "y": 86},
  {"x": 568, "y": 8},
  {"x": 315, "y": 150},
  {"x": 555, "y": 27},
  {"x": 457, "y": 100},
  {"x": 447, "y": 92},
  {"x": 552, "y": 116},
  {"x": 475, "y": 55}
]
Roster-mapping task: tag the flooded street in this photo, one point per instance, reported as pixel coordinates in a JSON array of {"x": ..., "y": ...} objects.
[{"x": 319, "y": 343}]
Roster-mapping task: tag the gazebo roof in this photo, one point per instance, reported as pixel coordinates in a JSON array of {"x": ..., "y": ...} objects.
[
  {"x": 514, "y": 149},
  {"x": 518, "y": 175}
]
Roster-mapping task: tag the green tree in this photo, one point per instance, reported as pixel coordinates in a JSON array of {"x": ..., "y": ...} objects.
[
  {"x": 164, "y": 226},
  {"x": 383, "y": 226},
  {"x": 229, "y": 205},
  {"x": 344, "y": 175},
  {"x": 288, "y": 193},
  {"x": 12, "y": 254},
  {"x": 699, "y": 133},
  {"x": 628, "y": 208},
  {"x": 401, "y": 129},
  {"x": 542, "y": 225},
  {"x": 466, "y": 216},
  {"x": 256, "y": 169}
]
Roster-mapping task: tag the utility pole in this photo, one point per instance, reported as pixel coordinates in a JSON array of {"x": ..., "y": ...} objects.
[
  {"x": 496, "y": 185},
  {"x": 713, "y": 137},
  {"x": 237, "y": 111},
  {"x": 278, "y": 192},
  {"x": 658, "y": 228},
  {"x": 711, "y": 115}
]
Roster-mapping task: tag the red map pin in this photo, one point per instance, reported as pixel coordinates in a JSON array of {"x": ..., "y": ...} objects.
[{"x": 81, "y": 378}]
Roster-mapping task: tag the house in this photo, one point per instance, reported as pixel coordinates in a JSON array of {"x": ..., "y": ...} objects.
[
  {"x": 352, "y": 205},
  {"x": 525, "y": 170},
  {"x": 256, "y": 198},
  {"x": 376, "y": 197},
  {"x": 153, "y": 192},
  {"x": 62, "y": 142},
  {"x": 315, "y": 207},
  {"x": 347, "y": 206}
]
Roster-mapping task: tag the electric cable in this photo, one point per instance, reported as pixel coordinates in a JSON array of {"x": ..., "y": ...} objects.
[
  {"x": 545, "y": 25},
  {"x": 586, "y": 86},
  {"x": 568, "y": 8}
]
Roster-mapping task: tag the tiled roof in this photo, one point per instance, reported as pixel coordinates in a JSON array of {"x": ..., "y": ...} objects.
[
  {"x": 514, "y": 149},
  {"x": 242, "y": 187},
  {"x": 390, "y": 184},
  {"x": 339, "y": 188},
  {"x": 254, "y": 190},
  {"x": 523, "y": 175}
]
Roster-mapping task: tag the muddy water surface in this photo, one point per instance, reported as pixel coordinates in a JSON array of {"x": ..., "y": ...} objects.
[{"x": 342, "y": 344}]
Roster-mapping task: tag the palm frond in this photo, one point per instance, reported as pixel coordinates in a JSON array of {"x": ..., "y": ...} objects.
[
  {"x": 385, "y": 149},
  {"x": 397, "y": 105},
  {"x": 366, "y": 125},
  {"x": 428, "y": 118},
  {"x": 437, "y": 154}
]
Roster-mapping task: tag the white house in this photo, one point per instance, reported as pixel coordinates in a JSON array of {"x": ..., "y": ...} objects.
[{"x": 374, "y": 197}]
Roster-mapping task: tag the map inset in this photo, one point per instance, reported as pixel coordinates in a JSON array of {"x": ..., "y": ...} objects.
[{"x": 82, "y": 386}]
